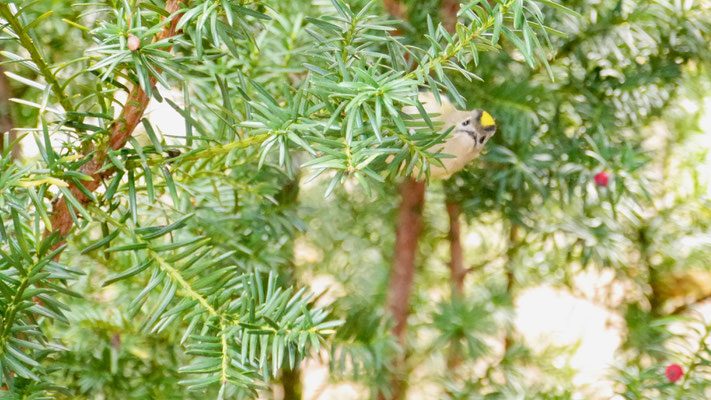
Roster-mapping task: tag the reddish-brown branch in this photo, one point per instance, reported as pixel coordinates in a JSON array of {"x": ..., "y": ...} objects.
[
  {"x": 412, "y": 194},
  {"x": 412, "y": 198},
  {"x": 409, "y": 224},
  {"x": 448, "y": 12},
  {"x": 6, "y": 123},
  {"x": 456, "y": 272},
  {"x": 514, "y": 243},
  {"x": 395, "y": 8},
  {"x": 513, "y": 248},
  {"x": 133, "y": 110},
  {"x": 408, "y": 229},
  {"x": 5, "y": 119},
  {"x": 456, "y": 260}
]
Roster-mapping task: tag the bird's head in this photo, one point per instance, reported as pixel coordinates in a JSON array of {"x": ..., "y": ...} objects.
[{"x": 479, "y": 124}]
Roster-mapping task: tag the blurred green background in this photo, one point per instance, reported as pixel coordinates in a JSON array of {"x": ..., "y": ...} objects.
[{"x": 586, "y": 225}]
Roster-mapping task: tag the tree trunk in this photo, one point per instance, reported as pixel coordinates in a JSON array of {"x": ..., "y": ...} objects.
[
  {"x": 395, "y": 8},
  {"x": 510, "y": 279},
  {"x": 456, "y": 274},
  {"x": 6, "y": 123},
  {"x": 448, "y": 12},
  {"x": 456, "y": 258},
  {"x": 409, "y": 224},
  {"x": 408, "y": 229},
  {"x": 288, "y": 197},
  {"x": 291, "y": 382}
]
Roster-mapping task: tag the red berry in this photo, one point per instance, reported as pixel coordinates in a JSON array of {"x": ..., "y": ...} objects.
[
  {"x": 601, "y": 178},
  {"x": 674, "y": 372},
  {"x": 133, "y": 43}
]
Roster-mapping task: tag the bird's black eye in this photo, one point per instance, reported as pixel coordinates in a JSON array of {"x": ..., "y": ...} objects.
[{"x": 466, "y": 122}]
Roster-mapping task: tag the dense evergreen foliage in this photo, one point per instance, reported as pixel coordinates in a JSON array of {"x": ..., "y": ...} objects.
[{"x": 140, "y": 260}]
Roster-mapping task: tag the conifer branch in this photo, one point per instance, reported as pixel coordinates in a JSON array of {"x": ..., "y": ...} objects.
[{"x": 136, "y": 103}]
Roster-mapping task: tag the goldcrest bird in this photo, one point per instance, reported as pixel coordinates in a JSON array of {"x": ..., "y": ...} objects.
[{"x": 472, "y": 129}]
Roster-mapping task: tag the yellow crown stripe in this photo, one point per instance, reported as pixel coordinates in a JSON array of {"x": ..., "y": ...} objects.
[{"x": 486, "y": 119}]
